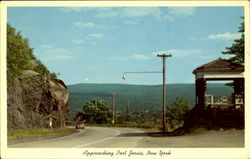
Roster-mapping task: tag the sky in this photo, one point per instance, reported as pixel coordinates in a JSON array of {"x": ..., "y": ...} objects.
[{"x": 98, "y": 44}]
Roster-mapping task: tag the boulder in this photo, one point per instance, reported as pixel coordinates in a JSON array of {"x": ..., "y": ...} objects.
[{"x": 33, "y": 101}]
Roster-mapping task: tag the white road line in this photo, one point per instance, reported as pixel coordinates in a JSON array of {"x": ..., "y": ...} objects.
[{"x": 98, "y": 141}]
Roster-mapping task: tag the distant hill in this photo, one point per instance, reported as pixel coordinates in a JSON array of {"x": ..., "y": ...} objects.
[{"x": 140, "y": 97}]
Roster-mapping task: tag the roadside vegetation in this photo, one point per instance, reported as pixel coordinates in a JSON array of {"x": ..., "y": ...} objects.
[
  {"x": 97, "y": 112},
  {"x": 35, "y": 132},
  {"x": 176, "y": 113},
  {"x": 21, "y": 57}
]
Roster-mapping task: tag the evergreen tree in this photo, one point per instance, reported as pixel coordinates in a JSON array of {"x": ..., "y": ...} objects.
[{"x": 237, "y": 48}]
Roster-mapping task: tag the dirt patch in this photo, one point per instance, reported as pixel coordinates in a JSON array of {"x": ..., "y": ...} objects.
[{"x": 201, "y": 138}]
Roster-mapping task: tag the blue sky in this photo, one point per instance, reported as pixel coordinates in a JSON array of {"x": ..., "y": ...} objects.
[{"x": 98, "y": 44}]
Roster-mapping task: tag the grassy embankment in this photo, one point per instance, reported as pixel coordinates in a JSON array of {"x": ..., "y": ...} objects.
[
  {"x": 138, "y": 126},
  {"x": 23, "y": 133}
]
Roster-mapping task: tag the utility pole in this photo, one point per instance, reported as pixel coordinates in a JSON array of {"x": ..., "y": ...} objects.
[
  {"x": 164, "y": 102},
  {"x": 113, "y": 104},
  {"x": 128, "y": 112}
]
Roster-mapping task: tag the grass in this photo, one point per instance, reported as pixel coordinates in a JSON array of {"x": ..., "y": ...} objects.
[
  {"x": 174, "y": 124},
  {"x": 23, "y": 133}
]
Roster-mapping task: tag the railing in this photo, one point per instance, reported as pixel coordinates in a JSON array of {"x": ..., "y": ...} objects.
[
  {"x": 239, "y": 99},
  {"x": 223, "y": 100},
  {"x": 210, "y": 100}
]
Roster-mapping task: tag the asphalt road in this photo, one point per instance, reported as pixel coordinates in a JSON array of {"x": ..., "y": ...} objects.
[
  {"x": 99, "y": 137},
  {"x": 94, "y": 137}
]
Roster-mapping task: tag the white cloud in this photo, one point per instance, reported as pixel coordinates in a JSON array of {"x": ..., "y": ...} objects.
[
  {"x": 157, "y": 13},
  {"x": 140, "y": 57},
  {"x": 87, "y": 25},
  {"x": 49, "y": 57},
  {"x": 224, "y": 36},
  {"x": 77, "y": 41},
  {"x": 50, "y": 53},
  {"x": 141, "y": 11},
  {"x": 63, "y": 57},
  {"x": 56, "y": 51},
  {"x": 107, "y": 14},
  {"x": 46, "y": 46},
  {"x": 182, "y": 11},
  {"x": 128, "y": 12},
  {"x": 130, "y": 22},
  {"x": 71, "y": 9},
  {"x": 84, "y": 9},
  {"x": 192, "y": 38},
  {"x": 93, "y": 68},
  {"x": 93, "y": 43},
  {"x": 207, "y": 57},
  {"x": 118, "y": 58},
  {"x": 179, "y": 52},
  {"x": 134, "y": 57},
  {"x": 168, "y": 17},
  {"x": 96, "y": 36},
  {"x": 100, "y": 12}
]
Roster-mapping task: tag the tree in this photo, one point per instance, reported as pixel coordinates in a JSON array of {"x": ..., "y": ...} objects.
[
  {"x": 179, "y": 108},
  {"x": 20, "y": 56},
  {"x": 96, "y": 111},
  {"x": 40, "y": 68},
  {"x": 237, "y": 48},
  {"x": 177, "y": 111}
]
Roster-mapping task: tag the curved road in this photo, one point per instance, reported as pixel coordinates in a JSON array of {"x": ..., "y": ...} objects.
[
  {"x": 91, "y": 137},
  {"x": 99, "y": 137}
]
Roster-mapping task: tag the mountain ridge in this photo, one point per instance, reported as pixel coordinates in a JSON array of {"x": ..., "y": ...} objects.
[{"x": 140, "y": 97}]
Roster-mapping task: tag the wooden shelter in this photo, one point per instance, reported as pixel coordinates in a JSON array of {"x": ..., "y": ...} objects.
[{"x": 219, "y": 70}]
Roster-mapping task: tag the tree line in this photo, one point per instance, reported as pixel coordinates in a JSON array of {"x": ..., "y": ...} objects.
[{"x": 97, "y": 111}]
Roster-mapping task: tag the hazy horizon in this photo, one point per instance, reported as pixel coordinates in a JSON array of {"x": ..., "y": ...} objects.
[{"x": 209, "y": 82}]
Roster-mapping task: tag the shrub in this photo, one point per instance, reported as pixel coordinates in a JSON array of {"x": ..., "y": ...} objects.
[{"x": 177, "y": 111}]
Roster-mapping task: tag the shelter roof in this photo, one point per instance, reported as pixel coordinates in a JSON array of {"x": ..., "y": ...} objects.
[{"x": 220, "y": 65}]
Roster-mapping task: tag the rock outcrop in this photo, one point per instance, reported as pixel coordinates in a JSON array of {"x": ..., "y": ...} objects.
[{"x": 34, "y": 101}]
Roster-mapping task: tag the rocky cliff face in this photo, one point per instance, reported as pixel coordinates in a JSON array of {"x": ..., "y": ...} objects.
[{"x": 34, "y": 100}]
